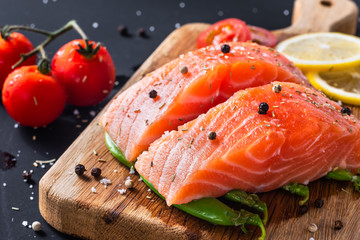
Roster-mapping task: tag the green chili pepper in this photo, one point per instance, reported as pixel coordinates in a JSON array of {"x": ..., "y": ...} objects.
[
  {"x": 250, "y": 200},
  {"x": 214, "y": 211},
  {"x": 115, "y": 151},
  {"x": 298, "y": 189},
  {"x": 344, "y": 175},
  {"x": 208, "y": 209}
]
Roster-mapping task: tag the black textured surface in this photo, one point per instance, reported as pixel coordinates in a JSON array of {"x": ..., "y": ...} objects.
[{"x": 100, "y": 20}]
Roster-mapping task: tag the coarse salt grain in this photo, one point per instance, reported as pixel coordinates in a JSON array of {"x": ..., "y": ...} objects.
[
  {"x": 31, "y": 198},
  {"x": 149, "y": 190},
  {"x": 24, "y": 223},
  {"x": 95, "y": 25},
  {"x": 31, "y": 186},
  {"x": 92, "y": 113},
  {"x": 4, "y": 184},
  {"x": 16, "y": 125},
  {"x": 132, "y": 170},
  {"x": 105, "y": 181},
  {"x": 93, "y": 190},
  {"x": 122, "y": 191}
]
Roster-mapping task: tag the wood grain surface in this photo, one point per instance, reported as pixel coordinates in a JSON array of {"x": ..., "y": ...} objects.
[{"x": 68, "y": 204}]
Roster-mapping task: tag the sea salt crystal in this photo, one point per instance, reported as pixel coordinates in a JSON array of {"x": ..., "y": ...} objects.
[
  {"x": 138, "y": 13},
  {"x": 177, "y": 25},
  {"x": 95, "y": 25},
  {"x": 31, "y": 186},
  {"x": 132, "y": 170},
  {"x": 24, "y": 223},
  {"x": 16, "y": 125},
  {"x": 286, "y": 12},
  {"x": 122, "y": 191},
  {"x": 181, "y": 4},
  {"x": 93, "y": 190},
  {"x": 76, "y": 112},
  {"x": 31, "y": 198},
  {"x": 4, "y": 184},
  {"x": 149, "y": 190},
  {"x": 105, "y": 181},
  {"x": 92, "y": 113}
]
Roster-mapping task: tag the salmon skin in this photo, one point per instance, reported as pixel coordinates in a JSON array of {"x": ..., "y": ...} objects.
[
  {"x": 301, "y": 138},
  {"x": 187, "y": 87}
]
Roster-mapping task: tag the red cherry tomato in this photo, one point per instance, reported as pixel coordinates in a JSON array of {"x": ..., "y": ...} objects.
[
  {"x": 10, "y": 50},
  {"x": 227, "y": 30},
  {"x": 88, "y": 79},
  {"x": 262, "y": 36},
  {"x": 32, "y": 98}
]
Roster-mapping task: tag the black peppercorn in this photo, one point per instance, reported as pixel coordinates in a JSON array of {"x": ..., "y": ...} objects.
[
  {"x": 277, "y": 88},
  {"x": 96, "y": 172},
  {"x": 184, "y": 70},
  {"x": 153, "y": 94},
  {"x": 27, "y": 175},
  {"x": 346, "y": 110},
  {"x": 141, "y": 32},
  {"x": 263, "y": 108},
  {"x": 225, "y": 48},
  {"x": 80, "y": 169},
  {"x": 211, "y": 135},
  {"x": 123, "y": 31},
  {"x": 338, "y": 225},
  {"x": 303, "y": 209},
  {"x": 319, "y": 203}
]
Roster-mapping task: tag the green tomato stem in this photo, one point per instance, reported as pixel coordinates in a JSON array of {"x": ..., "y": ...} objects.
[
  {"x": 298, "y": 189},
  {"x": 250, "y": 200},
  {"x": 50, "y": 36}
]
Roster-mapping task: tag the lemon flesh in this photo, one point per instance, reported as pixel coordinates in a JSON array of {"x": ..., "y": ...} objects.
[
  {"x": 322, "y": 51},
  {"x": 343, "y": 85}
]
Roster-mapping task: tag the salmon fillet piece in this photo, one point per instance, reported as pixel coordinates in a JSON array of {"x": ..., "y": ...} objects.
[
  {"x": 187, "y": 87},
  {"x": 301, "y": 138}
]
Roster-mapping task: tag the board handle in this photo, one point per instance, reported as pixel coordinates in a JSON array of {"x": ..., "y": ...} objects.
[{"x": 321, "y": 16}]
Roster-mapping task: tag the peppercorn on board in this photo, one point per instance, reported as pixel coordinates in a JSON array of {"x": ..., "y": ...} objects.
[{"x": 68, "y": 203}]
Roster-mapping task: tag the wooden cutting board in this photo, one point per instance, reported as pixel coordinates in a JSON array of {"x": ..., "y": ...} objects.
[{"x": 68, "y": 204}]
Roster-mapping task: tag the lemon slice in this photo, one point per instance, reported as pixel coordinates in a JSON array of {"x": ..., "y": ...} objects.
[
  {"x": 322, "y": 51},
  {"x": 343, "y": 85}
]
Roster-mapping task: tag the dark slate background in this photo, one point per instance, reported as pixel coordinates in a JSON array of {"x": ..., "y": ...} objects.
[{"x": 100, "y": 21}]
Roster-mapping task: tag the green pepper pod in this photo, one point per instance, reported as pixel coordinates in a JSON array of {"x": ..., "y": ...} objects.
[
  {"x": 115, "y": 151},
  {"x": 208, "y": 209},
  {"x": 298, "y": 189},
  {"x": 214, "y": 211},
  {"x": 345, "y": 175},
  {"x": 250, "y": 200}
]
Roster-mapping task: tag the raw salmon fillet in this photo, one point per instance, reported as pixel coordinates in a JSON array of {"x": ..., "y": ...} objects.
[
  {"x": 302, "y": 137},
  {"x": 134, "y": 120}
]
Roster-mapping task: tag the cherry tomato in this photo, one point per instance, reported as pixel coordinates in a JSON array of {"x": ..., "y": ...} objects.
[
  {"x": 87, "y": 77},
  {"x": 262, "y": 36},
  {"x": 10, "y": 50},
  {"x": 32, "y": 98},
  {"x": 227, "y": 30}
]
